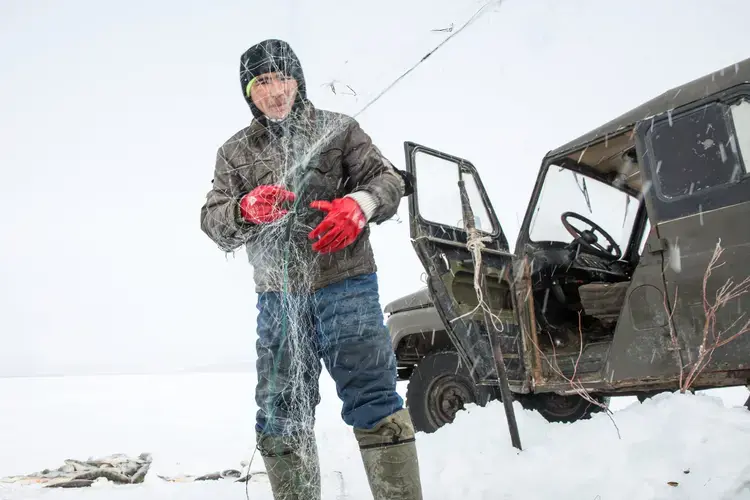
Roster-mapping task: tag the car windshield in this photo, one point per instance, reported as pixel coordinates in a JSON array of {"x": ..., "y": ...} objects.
[{"x": 567, "y": 191}]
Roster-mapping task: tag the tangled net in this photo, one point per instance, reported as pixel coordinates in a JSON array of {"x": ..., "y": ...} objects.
[{"x": 282, "y": 256}]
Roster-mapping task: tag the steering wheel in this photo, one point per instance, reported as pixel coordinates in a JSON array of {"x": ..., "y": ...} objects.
[{"x": 587, "y": 238}]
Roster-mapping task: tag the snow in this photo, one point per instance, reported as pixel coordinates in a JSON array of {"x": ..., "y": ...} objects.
[{"x": 196, "y": 423}]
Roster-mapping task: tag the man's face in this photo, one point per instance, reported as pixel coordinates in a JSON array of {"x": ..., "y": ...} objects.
[{"x": 273, "y": 94}]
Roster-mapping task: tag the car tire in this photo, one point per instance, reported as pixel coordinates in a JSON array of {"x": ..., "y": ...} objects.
[
  {"x": 404, "y": 372},
  {"x": 557, "y": 408},
  {"x": 643, "y": 396},
  {"x": 439, "y": 387}
]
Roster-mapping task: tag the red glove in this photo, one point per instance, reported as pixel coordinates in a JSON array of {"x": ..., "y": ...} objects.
[
  {"x": 262, "y": 204},
  {"x": 344, "y": 222}
]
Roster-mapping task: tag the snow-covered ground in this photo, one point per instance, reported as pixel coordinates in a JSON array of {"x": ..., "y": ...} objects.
[{"x": 200, "y": 423}]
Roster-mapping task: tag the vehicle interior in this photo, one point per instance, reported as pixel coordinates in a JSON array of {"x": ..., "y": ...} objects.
[{"x": 583, "y": 241}]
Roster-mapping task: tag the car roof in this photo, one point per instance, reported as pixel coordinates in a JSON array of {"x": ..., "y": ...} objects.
[{"x": 717, "y": 81}]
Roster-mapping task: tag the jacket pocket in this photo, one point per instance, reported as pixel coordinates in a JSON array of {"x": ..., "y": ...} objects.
[
  {"x": 330, "y": 161},
  {"x": 244, "y": 179},
  {"x": 262, "y": 172},
  {"x": 327, "y": 180}
]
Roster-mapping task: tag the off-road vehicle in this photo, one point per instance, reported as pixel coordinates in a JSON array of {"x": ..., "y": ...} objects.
[{"x": 626, "y": 277}]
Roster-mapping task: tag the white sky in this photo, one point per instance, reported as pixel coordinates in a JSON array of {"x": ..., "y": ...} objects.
[{"x": 111, "y": 113}]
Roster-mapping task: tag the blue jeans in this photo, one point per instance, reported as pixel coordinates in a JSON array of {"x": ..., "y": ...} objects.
[{"x": 342, "y": 324}]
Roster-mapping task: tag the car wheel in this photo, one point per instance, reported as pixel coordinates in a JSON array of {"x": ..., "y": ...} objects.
[
  {"x": 557, "y": 408},
  {"x": 439, "y": 388}
]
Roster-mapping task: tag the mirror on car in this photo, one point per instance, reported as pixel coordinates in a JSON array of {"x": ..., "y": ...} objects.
[{"x": 438, "y": 195}]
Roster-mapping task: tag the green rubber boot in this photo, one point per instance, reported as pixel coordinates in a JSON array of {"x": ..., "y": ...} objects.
[
  {"x": 292, "y": 466},
  {"x": 389, "y": 454}
]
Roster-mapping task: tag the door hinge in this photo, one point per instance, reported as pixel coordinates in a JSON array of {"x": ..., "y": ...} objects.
[{"x": 658, "y": 246}]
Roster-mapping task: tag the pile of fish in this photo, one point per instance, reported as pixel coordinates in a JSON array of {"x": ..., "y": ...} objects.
[
  {"x": 214, "y": 476},
  {"x": 118, "y": 468}
]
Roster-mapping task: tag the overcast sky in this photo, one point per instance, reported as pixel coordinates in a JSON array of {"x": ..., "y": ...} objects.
[{"x": 111, "y": 113}]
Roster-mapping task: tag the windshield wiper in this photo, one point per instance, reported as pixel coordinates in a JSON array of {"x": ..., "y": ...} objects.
[{"x": 584, "y": 190}]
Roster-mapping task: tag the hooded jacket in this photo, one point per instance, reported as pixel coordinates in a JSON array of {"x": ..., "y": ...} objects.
[
  {"x": 318, "y": 155},
  {"x": 329, "y": 157}
]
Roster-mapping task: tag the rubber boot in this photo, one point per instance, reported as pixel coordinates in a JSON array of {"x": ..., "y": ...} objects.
[
  {"x": 292, "y": 465},
  {"x": 389, "y": 454}
]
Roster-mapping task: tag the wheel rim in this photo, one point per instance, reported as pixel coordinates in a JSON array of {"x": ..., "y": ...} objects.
[{"x": 447, "y": 395}]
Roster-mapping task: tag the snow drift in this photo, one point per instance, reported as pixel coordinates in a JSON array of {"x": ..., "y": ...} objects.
[{"x": 670, "y": 447}]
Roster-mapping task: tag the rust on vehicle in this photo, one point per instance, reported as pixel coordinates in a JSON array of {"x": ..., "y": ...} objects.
[{"x": 532, "y": 355}]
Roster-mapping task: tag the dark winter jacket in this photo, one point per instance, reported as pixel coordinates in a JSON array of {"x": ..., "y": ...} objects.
[{"x": 322, "y": 155}]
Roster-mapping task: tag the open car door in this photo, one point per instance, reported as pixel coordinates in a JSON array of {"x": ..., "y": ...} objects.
[
  {"x": 698, "y": 198},
  {"x": 440, "y": 238}
]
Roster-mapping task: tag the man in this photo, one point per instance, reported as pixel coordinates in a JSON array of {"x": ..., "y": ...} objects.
[{"x": 298, "y": 188}]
